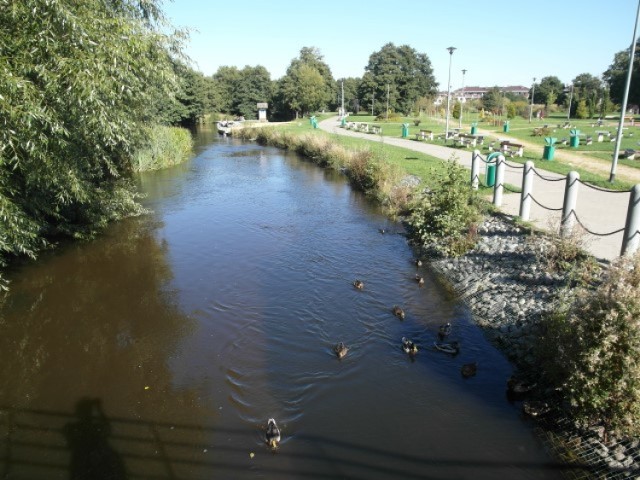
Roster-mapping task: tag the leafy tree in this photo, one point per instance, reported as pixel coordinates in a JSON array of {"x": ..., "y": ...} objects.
[
  {"x": 226, "y": 78},
  {"x": 455, "y": 113},
  {"x": 616, "y": 76},
  {"x": 493, "y": 100},
  {"x": 308, "y": 84},
  {"x": 76, "y": 83},
  {"x": 581, "y": 109},
  {"x": 253, "y": 86},
  {"x": 401, "y": 73},
  {"x": 549, "y": 91}
]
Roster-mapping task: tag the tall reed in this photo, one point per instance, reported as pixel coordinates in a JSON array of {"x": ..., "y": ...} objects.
[{"x": 166, "y": 146}]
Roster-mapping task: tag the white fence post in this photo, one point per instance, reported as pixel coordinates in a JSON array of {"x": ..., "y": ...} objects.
[
  {"x": 498, "y": 187},
  {"x": 569, "y": 204},
  {"x": 527, "y": 188},
  {"x": 475, "y": 169},
  {"x": 632, "y": 226}
]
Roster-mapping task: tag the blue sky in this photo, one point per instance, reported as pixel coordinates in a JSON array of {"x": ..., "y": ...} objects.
[{"x": 499, "y": 42}]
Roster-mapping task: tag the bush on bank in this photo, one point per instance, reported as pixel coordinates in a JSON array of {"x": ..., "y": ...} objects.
[
  {"x": 163, "y": 147},
  {"x": 590, "y": 351}
]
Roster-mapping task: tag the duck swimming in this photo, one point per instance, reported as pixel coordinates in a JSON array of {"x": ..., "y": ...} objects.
[
  {"x": 409, "y": 347},
  {"x": 469, "y": 369},
  {"x": 452, "y": 348},
  {"x": 359, "y": 284},
  {"x": 418, "y": 262},
  {"x": 341, "y": 350},
  {"x": 272, "y": 435},
  {"x": 398, "y": 312},
  {"x": 420, "y": 279},
  {"x": 444, "y": 330}
]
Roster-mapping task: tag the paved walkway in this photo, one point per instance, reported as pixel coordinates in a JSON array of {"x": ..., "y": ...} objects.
[{"x": 600, "y": 212}]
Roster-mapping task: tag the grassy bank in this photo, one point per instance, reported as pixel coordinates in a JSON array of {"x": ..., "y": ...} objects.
[{"x": 166, "y": 146}]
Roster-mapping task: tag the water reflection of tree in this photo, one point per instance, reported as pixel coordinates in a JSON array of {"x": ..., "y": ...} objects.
[
  {"x": 88, "y": 438},
  {"x": 96, "y": 318}
]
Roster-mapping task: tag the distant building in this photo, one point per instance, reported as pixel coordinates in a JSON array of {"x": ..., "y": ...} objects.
[
  {"x": 474, "y": 93},
  {"x": 262, "y": 111}
]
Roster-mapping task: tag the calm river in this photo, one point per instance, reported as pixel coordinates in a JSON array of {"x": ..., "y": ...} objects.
[{"x": 160, "y": 350}]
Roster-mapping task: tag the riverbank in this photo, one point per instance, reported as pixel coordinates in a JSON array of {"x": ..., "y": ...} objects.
[{"x": 506, "y": 284}]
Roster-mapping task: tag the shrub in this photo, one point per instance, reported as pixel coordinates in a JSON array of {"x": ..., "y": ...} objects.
[
  {"x": 166, "y": 146},
  {"x": 590, "y": 351},
  {"x": 443, "y": 219},
  {"x": 416, "y": 121}
]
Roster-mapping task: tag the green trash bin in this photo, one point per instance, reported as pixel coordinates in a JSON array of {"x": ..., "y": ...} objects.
[
  {"x": 505, "y": 127},
  {"x": 547, "y": 153},
  {"x": 490, "y": 180},
  {"x": 405, "y": 130},
  {"x": 311, "y": 120},
  {"x": 343, "y": 122},
  {"x": 314, "y": 123},
  {"x": 474, "y": 128},
  {"x": 574, "y": 141}
]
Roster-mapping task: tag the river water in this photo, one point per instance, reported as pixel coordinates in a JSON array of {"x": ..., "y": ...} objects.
[{"x": 161, "y": 349}]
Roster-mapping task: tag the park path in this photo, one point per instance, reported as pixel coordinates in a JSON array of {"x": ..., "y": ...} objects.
[{"x": 600, "y": 212}]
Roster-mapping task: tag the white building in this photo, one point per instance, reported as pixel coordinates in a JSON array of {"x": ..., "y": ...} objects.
[{"x": 474, "y": 93}]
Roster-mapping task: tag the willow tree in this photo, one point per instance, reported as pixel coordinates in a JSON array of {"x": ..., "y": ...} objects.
[{"x": 75, "y": 82}]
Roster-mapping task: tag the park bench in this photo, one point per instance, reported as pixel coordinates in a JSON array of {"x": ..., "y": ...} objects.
[
  {"x": 513, "y": 149},
  {"x": 588, "y": 140},
  {"x": 375, "y": 130},
  {"x": 601, "y": 134},
  {"x": 465, "y": 140},
  {"x": 629, "y": 154},
  {"x": 565, "y": 125},
  {"x": 363, "y": 127},
  {"x": 424, "y": 134}
]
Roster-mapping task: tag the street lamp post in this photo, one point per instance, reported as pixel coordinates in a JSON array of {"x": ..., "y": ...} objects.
[
  {"x": 463, "y": 97},
  {"x": 446, "y": 128},
  {"x": 570, "y": 98},
  {"x": 533, "y": 91},
  {"x": 616, "y": 151}
]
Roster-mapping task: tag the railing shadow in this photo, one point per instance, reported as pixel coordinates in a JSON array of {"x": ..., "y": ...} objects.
[{"x": 38, "y": 444}]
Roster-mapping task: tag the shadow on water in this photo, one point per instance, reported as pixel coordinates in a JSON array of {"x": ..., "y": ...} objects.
[
  {"x": 88, "y": 439},
  {"x": 41, "y": 444}
]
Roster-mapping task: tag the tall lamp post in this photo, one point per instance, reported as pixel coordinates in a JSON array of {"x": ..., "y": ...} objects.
[
  {"x": 533, "y": 92},
  {"x": 446, "y": 128},
  {"x": 463, "y": 97},
  {"x": 570, "y": 98},
  {"x": 616, "y": 151}
]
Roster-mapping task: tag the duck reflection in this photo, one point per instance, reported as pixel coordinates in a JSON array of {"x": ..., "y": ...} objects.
[{"x": 88, "y": 438}]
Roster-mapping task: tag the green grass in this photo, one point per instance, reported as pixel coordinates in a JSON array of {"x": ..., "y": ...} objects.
[{"x": 425, "y": 166}]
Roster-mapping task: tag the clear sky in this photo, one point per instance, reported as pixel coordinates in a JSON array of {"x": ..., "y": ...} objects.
[{"x": 499, "y": 42}]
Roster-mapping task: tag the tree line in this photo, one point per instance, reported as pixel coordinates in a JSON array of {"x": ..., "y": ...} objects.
[{"x": 396, "y": 79}]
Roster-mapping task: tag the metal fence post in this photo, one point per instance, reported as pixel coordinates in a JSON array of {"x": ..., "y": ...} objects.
[
  {"x": 569, "y": 204},
  {"x": 632, "y": 225},
  {"x": 498, "y": 187},
  {"x": 527, "y": 188},
  {"x": 475, "y": 169}
]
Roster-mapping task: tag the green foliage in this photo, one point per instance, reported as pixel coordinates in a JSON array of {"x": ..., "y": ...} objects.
[
  {"x": 549, "y": 91},
  {"x": 166, "y": 146},
  {"x": 444, "y": 219},
  {"x": 581, "y": 110},
  {"x": 511, "y": 110},
  {"x": 402, "y": 72},
  {"x": 493, "y": 100},
  {"x": 615, "y": 77},
  {"x": 456, "y": 110},
  {"x": 591, "y": 349},
  {"x": 77, "y": 79},
  {"x": 308, "y": 84}
]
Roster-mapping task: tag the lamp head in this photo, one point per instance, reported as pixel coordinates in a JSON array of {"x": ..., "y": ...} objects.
[{"x": 451, "y": 50}]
